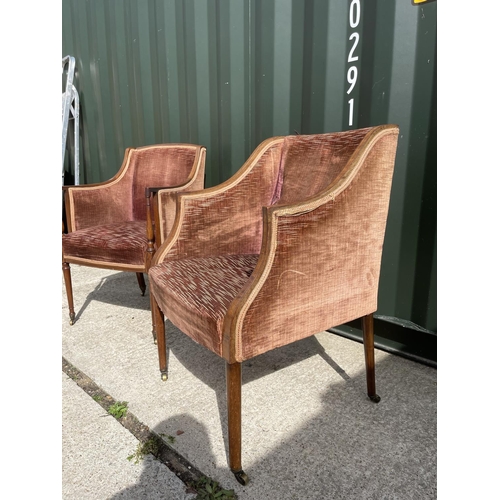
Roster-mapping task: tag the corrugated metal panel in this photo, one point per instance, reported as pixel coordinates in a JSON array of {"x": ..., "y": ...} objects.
[{"x": 228, "y": 74}]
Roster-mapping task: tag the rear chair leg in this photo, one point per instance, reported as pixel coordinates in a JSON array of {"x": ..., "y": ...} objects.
[
  {"x": 233, "y": 386},
  {"x": 159, "y": 324},
  {"x": 142, "y": 283},
  {"x": 69, "y": 291},
  {"x": 369, "y": 357}
]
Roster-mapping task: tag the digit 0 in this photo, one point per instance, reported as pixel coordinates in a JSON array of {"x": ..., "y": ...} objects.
[{"x": 354, "y": 13}]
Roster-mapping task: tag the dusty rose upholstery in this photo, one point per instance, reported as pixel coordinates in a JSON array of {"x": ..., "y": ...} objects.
[
  {"x": 290, "y": 246},
  {"x": 108, "y": 222}
]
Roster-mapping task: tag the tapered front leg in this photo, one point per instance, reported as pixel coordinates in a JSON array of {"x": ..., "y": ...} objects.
[
  {"x": 368, "y": 342},
  {"x": 69, "y": 291},
  {"x": 159, "y": 327},
  {"x": 233, "y": 385}
]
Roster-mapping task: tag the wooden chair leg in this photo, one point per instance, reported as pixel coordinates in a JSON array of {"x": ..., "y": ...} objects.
[
  {"x": 233, "y": 387},
  {"x": 142, "y": 283},
  {"x": 154, "y": 306},
  {"x": 368, "y": 343},
  {"x": 69, "y": 291},
  {"x": 159, "y": 325}
]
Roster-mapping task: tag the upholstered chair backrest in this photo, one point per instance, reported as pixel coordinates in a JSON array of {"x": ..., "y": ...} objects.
[
  {"x": 123, "y": 197},
  {"x": 309, "y": 163},
  {"x": 152, "y": 166}
]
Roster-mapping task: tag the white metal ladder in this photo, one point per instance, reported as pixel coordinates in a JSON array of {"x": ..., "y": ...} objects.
[{"x": 70, "y": 110}]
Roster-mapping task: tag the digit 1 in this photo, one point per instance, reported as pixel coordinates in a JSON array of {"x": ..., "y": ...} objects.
[{"x": 351, "y": 107}]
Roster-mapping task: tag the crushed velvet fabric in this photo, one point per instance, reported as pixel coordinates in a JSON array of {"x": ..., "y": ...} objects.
[
  {"x": 327, "y": 262},
  {"x": 310, "y": 162},
  {"x": 198, "y": 291},
  {"x": 150, "y": 167},
  {"x": 167, "y": 200},
  {"x": 318, "y": 245},
  {"x": 123, "y": 197},
  {"x": 228, "y": 221},
  {"x": 107, "y": 221},
  {"x": 121, "y": 243}
]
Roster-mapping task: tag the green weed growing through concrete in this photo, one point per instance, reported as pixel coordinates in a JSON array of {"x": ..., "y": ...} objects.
[
  {"x": 151, "y": 446},
  {"x": 208, "y": 489},
  {"x": 118, "y": 409}
]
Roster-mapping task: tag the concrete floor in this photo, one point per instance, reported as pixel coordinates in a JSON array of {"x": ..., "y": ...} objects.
[{"x": 309, "y": 431}]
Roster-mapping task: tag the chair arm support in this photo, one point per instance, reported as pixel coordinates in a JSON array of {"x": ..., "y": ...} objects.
[
  {"x": 102, "y": 200},
  {"x": 76, "y": 200},
  {"x": 285, "y": 266},
  {"x": 98, "y": 203}
]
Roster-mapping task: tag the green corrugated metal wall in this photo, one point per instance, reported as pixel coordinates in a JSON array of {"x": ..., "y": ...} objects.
[{"x": 228, "y": 74}]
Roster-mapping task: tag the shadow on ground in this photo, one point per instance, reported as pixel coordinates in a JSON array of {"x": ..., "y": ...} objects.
[
  {"x": 350, "y": 449},
  {"x": 309, "y": 431},
  {"x": 120, "y": 289}
]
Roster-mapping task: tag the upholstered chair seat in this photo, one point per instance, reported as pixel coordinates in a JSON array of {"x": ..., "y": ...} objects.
[
  {"x": 112, "y": 225},
  {"x": 122, "y": 243},
  {"x": 199, "y": 291},
  {"x": 288, "y": 247}
]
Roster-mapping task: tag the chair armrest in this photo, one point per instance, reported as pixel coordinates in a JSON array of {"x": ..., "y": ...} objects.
[
  {"x": 98, "y": 203},
  {"x": 224, "y": 219},
  {"x": 320, "y": 259},
  {"x": 88, "y": 206}
]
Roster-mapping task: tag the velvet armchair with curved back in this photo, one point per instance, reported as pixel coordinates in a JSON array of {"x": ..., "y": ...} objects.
[
  {"x": 111, "y": 225},
  {"x": 288, "y": 247}
]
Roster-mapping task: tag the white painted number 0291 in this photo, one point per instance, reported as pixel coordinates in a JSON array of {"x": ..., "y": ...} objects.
[{"x": 352, "y": 72}]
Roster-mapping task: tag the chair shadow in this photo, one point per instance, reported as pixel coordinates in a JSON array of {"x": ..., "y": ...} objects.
[
  {"x": 350, "y": 448},
  {"x": 155, "y": 476},
  {"x": 210, "y": 368},
  {"x": 198, "y": 360},
  {"x": 120, "y": 289}
]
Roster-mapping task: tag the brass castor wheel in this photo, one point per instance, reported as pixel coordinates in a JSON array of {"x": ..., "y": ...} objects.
[
  {"x": 71, "y": 319},
  {"x": 241, "y": 477},
  {"x": 375, "y": 398},
  {"x": 164, "y": 377}
]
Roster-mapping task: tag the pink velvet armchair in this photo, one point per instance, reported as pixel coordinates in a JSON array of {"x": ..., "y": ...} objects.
[
  {"x": 290, "y": 246},
  {"x": 111, "y": 225}
]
